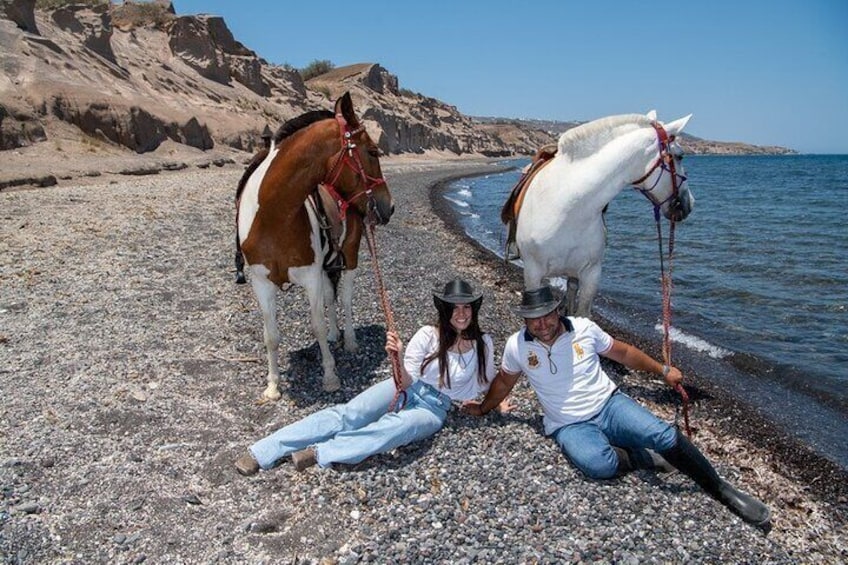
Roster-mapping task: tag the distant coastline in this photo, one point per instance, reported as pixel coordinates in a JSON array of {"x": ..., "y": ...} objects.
[{"x": 693, "y": 145}]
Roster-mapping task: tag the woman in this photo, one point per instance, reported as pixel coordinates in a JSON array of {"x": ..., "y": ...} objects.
[{"x": 451, "y": 361}]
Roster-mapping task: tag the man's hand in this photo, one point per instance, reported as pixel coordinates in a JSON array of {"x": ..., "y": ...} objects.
[
  {"x": 673, "y": 376},
  {"x": 472, "y": 407},
  {"x": 505, "y": 407}
]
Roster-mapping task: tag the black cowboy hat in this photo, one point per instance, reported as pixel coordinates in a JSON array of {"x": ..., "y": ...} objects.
[
  {"x": 537, "y": 303},
  {"x": 458, "y": 291}
]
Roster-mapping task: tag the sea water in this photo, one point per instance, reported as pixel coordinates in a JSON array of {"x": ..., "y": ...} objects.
[{"x": 760, "y": 275}]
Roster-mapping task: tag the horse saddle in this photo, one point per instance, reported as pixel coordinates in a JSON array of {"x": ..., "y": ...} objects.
[
  {"x": 333, "y": 227},
  {"x": 510, "y": 210}
]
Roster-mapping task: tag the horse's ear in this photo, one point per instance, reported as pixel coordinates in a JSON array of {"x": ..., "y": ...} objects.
[
  {"x": 677, "y": 126},
  {"x": 652, "y": 115},
  {"x": 344, "y": 106}
]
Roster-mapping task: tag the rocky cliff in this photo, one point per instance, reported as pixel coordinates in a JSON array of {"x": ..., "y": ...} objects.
[{"x": 134, "y": 76}]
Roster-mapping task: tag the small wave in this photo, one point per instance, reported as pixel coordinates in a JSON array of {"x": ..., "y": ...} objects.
[
  {"x": 695, "y": 343},
  {"x": 460, "y": 203},
  {"x": 466, "y": 192}
]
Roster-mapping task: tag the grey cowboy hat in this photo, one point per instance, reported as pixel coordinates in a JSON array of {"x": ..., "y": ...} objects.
[
  {"x": 458, "y": 291},
  {"x": 537, "y": 303}
]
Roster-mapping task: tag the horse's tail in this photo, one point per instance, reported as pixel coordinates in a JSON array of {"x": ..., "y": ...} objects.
[{"x": 251, "y": 167}]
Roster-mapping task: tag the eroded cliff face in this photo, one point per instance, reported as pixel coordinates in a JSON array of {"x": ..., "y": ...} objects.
[{"x": 136, "y": 75}]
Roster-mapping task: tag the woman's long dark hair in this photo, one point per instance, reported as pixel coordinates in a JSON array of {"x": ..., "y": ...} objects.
[{"x": 448, "y": 336}]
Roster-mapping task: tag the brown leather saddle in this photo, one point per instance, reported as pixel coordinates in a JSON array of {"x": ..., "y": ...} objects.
[
  {"x": 333, "y": 227},
  {"x": 512, "y": 206}
]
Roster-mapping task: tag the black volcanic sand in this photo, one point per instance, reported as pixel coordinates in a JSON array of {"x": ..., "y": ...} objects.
[{"x": 130, "y": 366}]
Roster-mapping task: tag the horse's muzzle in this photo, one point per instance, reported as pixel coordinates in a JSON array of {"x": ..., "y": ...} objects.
[
  {"x": 680, "y": 206},
  {"x": 379, "y": 212}
]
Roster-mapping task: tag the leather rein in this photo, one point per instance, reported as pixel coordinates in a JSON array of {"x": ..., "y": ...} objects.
[
  {"x": 350, "y": 158},
  {"x": 665, "y": 162}
]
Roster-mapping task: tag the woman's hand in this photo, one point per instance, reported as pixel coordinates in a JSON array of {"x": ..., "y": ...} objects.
[{"x": 393, "y": 343}]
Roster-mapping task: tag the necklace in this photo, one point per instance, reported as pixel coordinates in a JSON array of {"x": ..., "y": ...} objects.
[
  {"x": 552, "y": 367},
  {"x": 458, "y": 349}
]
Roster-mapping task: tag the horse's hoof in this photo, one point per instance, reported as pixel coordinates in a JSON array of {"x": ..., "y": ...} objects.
[
  {"x": 271, "y": 395},
  {"x": 240, "y": 278},
  {"x": 352, "y": 347},
  {"x": 332, "y": 386}
]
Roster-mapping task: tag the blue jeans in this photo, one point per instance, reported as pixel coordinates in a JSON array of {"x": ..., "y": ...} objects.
[
  {"x": 349, "y": 433},
  {"x": 622, "y": 422}
]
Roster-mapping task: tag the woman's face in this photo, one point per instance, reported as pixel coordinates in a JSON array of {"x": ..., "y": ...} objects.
[{"x": 461, "y": 317}]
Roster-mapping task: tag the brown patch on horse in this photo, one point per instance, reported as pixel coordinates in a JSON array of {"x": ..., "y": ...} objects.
[
  {"x": 273, "y": 240},
  {"x": 512, "y": 206}
]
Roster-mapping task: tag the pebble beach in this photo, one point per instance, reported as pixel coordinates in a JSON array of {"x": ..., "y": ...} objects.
[{"x": 131, "y": 366}]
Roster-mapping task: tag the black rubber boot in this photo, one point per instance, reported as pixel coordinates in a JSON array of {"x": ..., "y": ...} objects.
[
  {"x": 630, "y": 459},
  {"x": 625, "y": 464},
  {"x": 690, "y": 461}
]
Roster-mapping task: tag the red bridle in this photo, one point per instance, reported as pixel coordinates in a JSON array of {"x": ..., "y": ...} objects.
[
  {"x": 665, "y": 162},
  {"x": 350, "y": 158}
]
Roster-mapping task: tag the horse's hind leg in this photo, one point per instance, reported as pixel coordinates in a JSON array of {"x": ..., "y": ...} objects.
[
  {"x": 239, "y": 261},
  {"x": 330, "y": 303},
  {"x": 571, "y": 287},
  {"x": 347, "y": 299},
  {"x": 266, "y": 295}
]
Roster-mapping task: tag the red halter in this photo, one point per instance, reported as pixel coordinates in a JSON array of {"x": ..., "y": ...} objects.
[
  {"x": 665, "y": 162},
  {"x": 350, "y": 158}
]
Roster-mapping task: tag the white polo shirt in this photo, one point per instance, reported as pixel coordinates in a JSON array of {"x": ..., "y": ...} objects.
[
  {"x": 461, "y": 368},
  {"x": 568, "y": 379}
]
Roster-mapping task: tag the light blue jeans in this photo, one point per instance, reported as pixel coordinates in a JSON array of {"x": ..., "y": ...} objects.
[
  {"x": 351, "y": 432},
  {"x": 622, "y": 422}
]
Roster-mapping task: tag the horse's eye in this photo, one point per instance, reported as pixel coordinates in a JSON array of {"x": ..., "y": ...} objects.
[
  {"x": 676, "y": 151},
  {"x": 374, "y": 152}
]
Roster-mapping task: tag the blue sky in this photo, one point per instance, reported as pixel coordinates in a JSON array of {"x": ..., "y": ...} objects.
[{"x": 764, "y": 72}]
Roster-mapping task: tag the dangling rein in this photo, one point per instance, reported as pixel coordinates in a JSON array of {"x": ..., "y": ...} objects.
[
  {"x": 666, "y": 310},
  {"x": 399, "y": 400}
]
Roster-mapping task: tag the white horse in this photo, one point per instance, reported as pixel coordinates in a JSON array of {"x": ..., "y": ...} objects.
[{"x": 560, "y": 229}]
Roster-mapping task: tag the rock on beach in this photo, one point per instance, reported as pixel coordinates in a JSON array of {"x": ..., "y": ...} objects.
[{"x": 130, "y": 365}]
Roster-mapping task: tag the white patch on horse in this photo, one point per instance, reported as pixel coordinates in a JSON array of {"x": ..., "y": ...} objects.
[{"x": 249, "y": 203}]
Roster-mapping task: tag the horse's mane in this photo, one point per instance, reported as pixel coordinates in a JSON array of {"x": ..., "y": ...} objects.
[
  {"x": 588, "y": 138},
  {"x": 300, "y": 122}
]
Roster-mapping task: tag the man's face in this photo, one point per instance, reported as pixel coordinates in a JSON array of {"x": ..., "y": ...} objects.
[{"x": 545, "y": 329}]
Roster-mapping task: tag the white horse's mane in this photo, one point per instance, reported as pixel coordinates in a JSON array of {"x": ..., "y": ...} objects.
[{"x": 588, "y": 138}]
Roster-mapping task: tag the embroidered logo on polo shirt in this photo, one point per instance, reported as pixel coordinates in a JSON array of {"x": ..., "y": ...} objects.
[
  {"x": 532, "y": 360},
  {"x": 579, "y": 351}
]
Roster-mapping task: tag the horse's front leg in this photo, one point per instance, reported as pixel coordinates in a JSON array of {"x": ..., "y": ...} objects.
[
  {"x": 266, "y": 295},
  {"x": 533, "y": 273},
  {"x": 589, "y": 282},
  {"x": 347, "y": 299},
  {"x": 315, "y": 292}
]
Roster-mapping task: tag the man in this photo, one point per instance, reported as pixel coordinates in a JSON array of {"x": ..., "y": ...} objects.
[{"x": 584, "y": 410}]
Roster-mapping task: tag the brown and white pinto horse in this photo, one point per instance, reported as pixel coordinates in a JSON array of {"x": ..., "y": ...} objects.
[{"x": 279, "y": 234}]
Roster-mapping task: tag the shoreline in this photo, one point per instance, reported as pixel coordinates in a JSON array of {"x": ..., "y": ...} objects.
[
  {"x": 826, "y": 478},
  {"x": 131, "y": 364}
]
